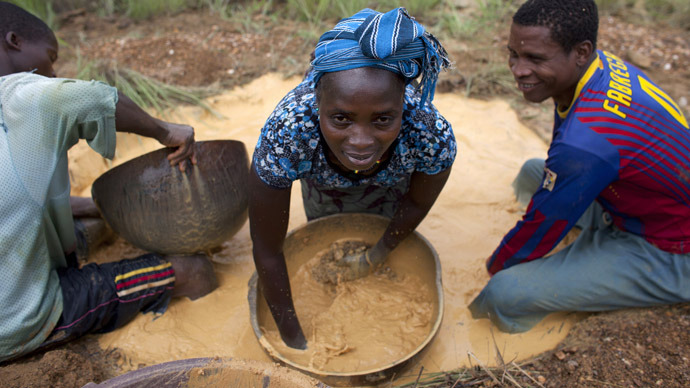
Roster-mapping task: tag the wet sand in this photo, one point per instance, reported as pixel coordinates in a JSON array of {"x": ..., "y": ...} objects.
[{"x": 468, "y": 220}]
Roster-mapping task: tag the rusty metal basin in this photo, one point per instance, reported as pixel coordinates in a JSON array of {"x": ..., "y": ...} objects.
[
  {"x": 304, "y": 242},
  {"x": 160, "y": 209}
]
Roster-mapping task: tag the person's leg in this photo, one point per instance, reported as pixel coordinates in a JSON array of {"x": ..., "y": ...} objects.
[
  {"x": 89, "y": 228},
  {"x": 194, "y": 276},
  {"x": 102, "y": 298},
  {"x": 604, "y": 269},
  {"x": 91, "y": 232},
  {"x": 530, "y": 179}
]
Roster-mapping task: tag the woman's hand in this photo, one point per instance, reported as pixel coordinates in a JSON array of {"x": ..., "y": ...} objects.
[{"x": 361, "y": 264}]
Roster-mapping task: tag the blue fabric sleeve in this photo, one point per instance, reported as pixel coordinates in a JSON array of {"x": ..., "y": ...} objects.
[
  {"x": 572, "y": 181},
  {"x": 288, "y": 139},
  {"x": 431, "y": 136}
]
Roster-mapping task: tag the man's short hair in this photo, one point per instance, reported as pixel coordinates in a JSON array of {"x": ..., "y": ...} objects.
[
  {"x": 22, "y": 23},
  {"x": 570, "y": 21}
]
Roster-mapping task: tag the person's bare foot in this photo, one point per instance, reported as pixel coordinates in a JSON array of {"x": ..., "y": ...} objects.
[{"x": 194, "y": 276}]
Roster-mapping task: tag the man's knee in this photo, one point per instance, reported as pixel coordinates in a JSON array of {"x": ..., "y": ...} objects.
[
  {"x": 507, "y": 303},
  {"x": 528, "y": 179},
  {"x": 502, "y": 293}
]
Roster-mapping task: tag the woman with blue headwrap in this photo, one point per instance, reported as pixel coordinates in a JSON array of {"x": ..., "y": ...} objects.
[{"x": 360, "y": 138}]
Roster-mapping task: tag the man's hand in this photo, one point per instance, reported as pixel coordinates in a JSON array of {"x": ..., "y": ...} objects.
[
  {"x": 129, "y": 117},
  {"x": 360, "y": 264},
  {"x": 181, "y": 136}
]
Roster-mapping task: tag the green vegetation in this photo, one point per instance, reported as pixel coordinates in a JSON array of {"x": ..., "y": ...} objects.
[
  {"x": 675, "y": 13},
  {"x": 138, "y": 9},
  {"x": 486, "y": 12},
  {"x": 486, "y": 16},
  {"x": 460, "y": 21},
  {"x": 41, "y": 8},
  {"x": 144, "y": 91}
]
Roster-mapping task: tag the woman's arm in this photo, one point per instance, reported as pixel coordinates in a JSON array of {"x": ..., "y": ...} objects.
[
  {"x": 269, "y": 213},
  {"x": 413, "y": 207}
]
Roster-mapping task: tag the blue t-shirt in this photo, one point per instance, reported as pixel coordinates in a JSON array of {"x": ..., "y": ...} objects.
[
  {"x": 290, "y": 145},
  {"x": 624, "y": 142},
  {"x": 40, "y": 119}
]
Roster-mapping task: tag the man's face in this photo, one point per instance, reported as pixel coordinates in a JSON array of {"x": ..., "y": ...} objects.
[
  {"x": 541, "y": 67},
  {"x": 39, "y": 55}
]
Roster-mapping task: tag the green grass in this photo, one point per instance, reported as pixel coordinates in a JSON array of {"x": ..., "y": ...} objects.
[
  {"x": 144, "y": 91},
  {"x": 40, "y": 8},
  {"x": 145, "y": 9},
  {"x": 674, "y": 13},
  {"x": 486, "y": 16},
  {"x": 444, "y": 18},
  {"x": 316, "y": 12}
]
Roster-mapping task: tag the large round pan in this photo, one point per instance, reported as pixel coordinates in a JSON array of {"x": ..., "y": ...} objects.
[
  {"x": 304, "y": 242},
  {"x": 158, "y": 208}
]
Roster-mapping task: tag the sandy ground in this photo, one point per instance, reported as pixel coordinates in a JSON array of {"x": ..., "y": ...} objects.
[
  {"x": 640, "y": 347},
  {"x": 465, "y": 224}
]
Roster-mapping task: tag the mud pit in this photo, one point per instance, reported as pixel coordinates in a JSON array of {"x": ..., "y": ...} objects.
[{"x": 467, "y": 222}]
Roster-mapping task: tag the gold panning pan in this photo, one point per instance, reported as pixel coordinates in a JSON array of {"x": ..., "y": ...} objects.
[
  {"x": 158, "y": 208},
  {"x": 413, "y": 256}
]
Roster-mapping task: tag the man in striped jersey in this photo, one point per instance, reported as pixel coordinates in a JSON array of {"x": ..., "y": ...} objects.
[
  {"x": 43, "y": 301},
  {"x": 618, "y": 168}
]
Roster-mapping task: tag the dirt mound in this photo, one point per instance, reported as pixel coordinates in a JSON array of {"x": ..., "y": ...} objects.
[
  {"x": 627, "y": 348},
  {"x": 191, "y": 49},
  {"x": 66, "y": 367}
]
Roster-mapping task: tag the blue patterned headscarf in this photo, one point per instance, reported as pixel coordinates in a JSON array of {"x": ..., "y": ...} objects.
[{"x": 393, "y": 41}]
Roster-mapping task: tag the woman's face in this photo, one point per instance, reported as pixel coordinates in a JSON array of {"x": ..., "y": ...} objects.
[{"x": 360, "y": 113}]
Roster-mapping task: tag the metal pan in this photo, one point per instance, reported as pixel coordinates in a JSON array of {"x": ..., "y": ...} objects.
[
  {"x": 160, "y": 209},
  {"x": 304, "y": 242}
]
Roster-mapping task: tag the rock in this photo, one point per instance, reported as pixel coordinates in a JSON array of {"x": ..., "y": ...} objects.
[
  {"x": 124, "y": 23},
  {"x": 639, "y": 59},
  {"x": 559, "y": 355}
]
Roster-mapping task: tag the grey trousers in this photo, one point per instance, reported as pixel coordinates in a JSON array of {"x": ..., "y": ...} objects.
[{"x": 603, "y": 269}]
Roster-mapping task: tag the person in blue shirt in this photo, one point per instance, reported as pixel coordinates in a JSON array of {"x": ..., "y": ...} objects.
[
  {"x": 617, "y": 168},
  {"x": 43, "y": 301}
]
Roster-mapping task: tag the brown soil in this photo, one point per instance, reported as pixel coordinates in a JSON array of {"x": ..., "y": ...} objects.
[{"x": 629, "y": 348}]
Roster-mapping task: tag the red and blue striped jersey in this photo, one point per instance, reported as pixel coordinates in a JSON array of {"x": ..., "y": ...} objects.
[{"x": 624, "y": 143}]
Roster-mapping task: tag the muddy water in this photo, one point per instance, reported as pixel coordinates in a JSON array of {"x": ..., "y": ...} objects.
[
  {"x": 362, "y": 325},
  {"x": 468, "y": 220}
]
